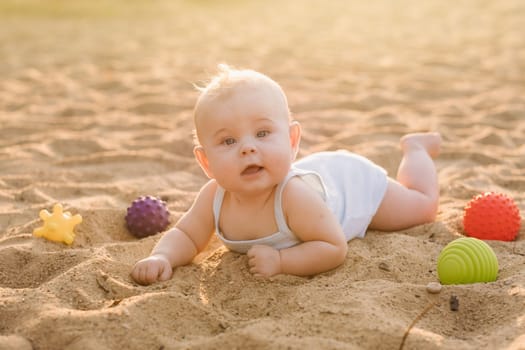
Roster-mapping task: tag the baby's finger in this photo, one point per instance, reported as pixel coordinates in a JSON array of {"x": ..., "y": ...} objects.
[
  {"x": 138, "y": 274},
  {"x": 153, "y": 274},
  {"x": 258, "y": 275},
  {"x": 143, "y": 276},
  {"x": 134, "y": 274},
  {"x": 249, "y": 253},
  {"x": 165, "y": 273}
]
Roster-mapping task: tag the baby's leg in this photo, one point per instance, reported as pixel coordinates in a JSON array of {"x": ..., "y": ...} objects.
[{"x": 412, "y": 199}]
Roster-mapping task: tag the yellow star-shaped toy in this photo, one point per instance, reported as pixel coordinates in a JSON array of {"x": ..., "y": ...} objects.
[{"x": 58, "y": 226}]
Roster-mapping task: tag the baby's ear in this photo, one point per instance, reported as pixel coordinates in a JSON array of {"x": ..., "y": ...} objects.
[
  {"x": 202, "y": 159},
  {"x": 295, "y": 136}
]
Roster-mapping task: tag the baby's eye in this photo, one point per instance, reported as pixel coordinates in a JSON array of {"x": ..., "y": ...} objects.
[
  {"x": 228, "y": 141},
  {"x": 263, "y": 133}
]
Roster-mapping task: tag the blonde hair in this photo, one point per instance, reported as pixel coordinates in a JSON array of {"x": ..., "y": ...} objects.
[
  {"x": 225, "y": 78},
  {"x": 228, "y": 78},
  {"x": 226, "y": 81}
]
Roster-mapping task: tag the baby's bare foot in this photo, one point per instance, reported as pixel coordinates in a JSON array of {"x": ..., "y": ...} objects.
[{"x": 430, "y": 141}]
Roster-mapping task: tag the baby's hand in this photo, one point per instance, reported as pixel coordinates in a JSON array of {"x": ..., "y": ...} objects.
[
  {"x": 264, "y": 261},
  {"x": 152, "y": 269}
]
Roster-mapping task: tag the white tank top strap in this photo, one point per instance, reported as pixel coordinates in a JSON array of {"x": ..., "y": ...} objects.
[
  {"x": 217, "y": 203},
  {"x": 278, "y": 205}
]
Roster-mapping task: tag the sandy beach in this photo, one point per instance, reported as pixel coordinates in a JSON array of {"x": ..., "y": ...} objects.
[{"x": 96, "y": 104}]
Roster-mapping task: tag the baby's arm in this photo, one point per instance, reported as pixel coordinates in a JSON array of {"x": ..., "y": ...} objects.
[
  {"x": 179, "y": 245},
  {"x": 324, "y": 246}
]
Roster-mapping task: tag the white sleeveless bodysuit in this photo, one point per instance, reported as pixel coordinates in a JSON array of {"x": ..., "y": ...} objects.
[{"x": 351, "y": 185}]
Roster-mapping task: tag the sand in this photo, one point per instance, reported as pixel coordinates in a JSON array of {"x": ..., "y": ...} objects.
[{"x": 95, "y": 110}]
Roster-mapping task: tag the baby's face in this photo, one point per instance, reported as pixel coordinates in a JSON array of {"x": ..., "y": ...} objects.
[{"x": 245, "y": 139}]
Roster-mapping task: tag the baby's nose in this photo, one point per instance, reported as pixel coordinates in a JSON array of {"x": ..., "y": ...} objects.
[{"x": 247, "y": 148}]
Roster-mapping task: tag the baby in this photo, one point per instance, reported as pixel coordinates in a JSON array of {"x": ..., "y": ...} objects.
[{"x": 288, "y": 217}]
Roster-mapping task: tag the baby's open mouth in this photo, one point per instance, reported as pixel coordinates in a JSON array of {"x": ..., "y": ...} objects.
[{"x": 251, "y": 169}]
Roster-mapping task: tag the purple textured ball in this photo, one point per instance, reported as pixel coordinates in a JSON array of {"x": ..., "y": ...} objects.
[{"x": 147, "y": 216}]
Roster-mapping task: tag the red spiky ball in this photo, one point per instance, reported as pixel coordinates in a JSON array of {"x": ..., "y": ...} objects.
[
  {"x": 492, "y": 216},
  {"x": 147, "y": 216}
]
